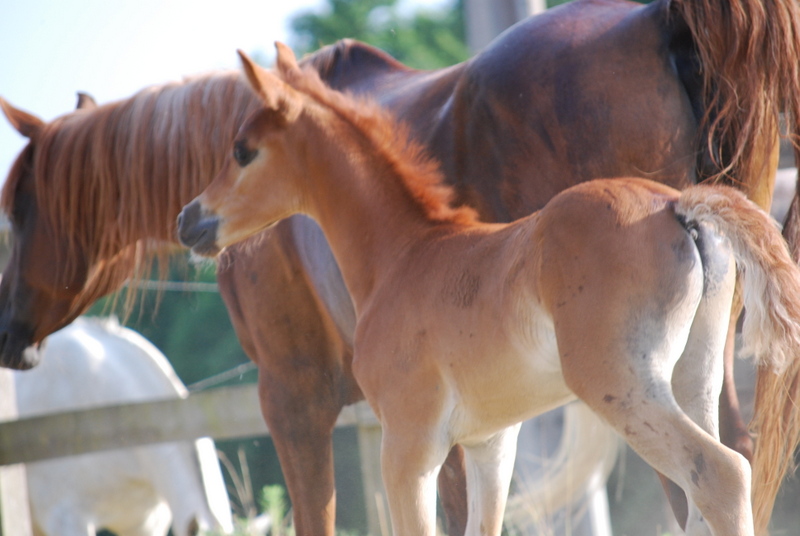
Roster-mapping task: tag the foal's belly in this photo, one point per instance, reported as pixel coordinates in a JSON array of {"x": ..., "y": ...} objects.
[{"x": 517, "y": 379}]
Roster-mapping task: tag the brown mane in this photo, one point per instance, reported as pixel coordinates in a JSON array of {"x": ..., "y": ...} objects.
[
  {"x": 421, "y": 175},
  {"x": 114, "y": 178}
]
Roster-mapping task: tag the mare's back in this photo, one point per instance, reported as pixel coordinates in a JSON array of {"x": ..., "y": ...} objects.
[{"x": 94, "y": 362}]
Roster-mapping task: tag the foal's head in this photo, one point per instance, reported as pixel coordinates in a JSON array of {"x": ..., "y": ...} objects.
[
  {"x": 231, "y": 208},
  {"x": 266, "y": 177}
]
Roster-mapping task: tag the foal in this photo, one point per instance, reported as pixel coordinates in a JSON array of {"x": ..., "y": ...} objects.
[{"x": 618, "y": 292}]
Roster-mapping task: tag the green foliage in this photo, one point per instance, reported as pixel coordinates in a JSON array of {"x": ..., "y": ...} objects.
[
  {"x": 273, "y": 502},
  {"x": 424, "y": 40},
  {"x": 191, "y": 328}
]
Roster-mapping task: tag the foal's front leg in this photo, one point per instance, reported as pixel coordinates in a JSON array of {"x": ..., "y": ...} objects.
[
  {"x": 490, "y": 465},
  {"x": 410, "y": 463}
]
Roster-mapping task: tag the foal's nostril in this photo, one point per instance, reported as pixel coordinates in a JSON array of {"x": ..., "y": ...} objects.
[
  {"x": 188, "y": 219},
  {"x": 197, "y": 231}
]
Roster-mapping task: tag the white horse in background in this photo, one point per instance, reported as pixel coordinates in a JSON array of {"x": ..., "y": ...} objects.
[{"x": 139, "y": 491}]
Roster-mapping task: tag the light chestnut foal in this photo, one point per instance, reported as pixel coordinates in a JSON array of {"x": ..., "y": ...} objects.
[{"x": 618, "y": 292}]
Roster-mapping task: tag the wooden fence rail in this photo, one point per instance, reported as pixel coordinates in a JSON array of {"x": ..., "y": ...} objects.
[{"x": 222, "y": 413}]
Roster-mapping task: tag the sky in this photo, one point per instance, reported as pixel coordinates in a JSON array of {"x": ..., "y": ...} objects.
[{"x": 51, "y": 49}]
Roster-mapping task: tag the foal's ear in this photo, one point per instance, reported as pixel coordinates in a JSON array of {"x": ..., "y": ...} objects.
[
  {"x": 26, "y": 124},
  {"x": 85, "y": 101},
  {"x": 274, "y": 92},
  {"x": 287, "y": 62}
]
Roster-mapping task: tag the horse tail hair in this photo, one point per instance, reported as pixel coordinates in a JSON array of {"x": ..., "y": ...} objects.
[
  {"x": 746, "y": 60},
  {"x": 771, "y": 329},
  {"x": 571, "y": 472}
]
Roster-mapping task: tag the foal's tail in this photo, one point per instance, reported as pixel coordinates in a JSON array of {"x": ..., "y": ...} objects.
[{"x": 771, "y": 330}]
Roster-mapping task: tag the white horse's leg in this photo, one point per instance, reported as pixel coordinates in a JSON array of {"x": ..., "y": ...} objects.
[
  {"x": 175, "y": 472},
  {"x": 156, "y": 523},
  {"x": 489, "y": 465},
  {"x": 64, "y": 520}
]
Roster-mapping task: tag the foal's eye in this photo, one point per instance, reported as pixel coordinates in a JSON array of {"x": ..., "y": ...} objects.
[{"x": 242, "y": 154}]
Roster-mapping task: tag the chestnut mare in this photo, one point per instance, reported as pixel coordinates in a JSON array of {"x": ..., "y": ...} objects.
[
  {"x": 536, "y": 112},
  {"x": 617, "y": 292}
]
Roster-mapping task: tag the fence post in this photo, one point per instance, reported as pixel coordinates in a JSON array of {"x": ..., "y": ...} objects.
[{"x": 14, "y": 508}]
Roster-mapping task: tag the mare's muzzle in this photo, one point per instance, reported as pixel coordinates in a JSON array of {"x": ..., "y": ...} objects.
[{"x": 17, "y": 350}]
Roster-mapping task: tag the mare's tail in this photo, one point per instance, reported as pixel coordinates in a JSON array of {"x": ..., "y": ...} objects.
[
  {"x": 748, "y": 74},
  {"x": 744, "y": 71},
  {"x": 771, "y": 330}
]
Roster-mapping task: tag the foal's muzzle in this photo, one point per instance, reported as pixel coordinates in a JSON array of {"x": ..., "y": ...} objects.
[{"x": 197, "y": 231}]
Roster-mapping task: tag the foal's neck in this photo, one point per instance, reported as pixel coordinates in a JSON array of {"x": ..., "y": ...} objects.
[{"x": 360, "y": 195}]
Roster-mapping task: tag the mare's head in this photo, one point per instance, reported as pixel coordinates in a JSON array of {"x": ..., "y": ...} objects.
[
  {"x": 93, "y": 197},
  {"x": 44, "y": 279}
]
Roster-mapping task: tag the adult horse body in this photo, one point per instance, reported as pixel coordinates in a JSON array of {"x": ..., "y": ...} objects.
[
  {"x": 139, "y": 491},
  {"x": 595, "y": 88},
  {"x": 617, "y": 292}
]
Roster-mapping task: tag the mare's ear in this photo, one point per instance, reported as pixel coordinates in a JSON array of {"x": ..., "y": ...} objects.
[
  {"x": 85, "y": 101},
  {"x": 26, "y": 124},
  {"x": 274, "y": 92}
]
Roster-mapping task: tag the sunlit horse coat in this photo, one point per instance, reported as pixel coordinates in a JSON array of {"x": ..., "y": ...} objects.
[
  {"x": 678, "y": 90},
  {"x": 618, "y": 292}
]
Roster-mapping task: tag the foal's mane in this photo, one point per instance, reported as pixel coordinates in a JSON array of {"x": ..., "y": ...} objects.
[
  {"x": 113, "y": 179},
  {"x": 422, "y": 179}
]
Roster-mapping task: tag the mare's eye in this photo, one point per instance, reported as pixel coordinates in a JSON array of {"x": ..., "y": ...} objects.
[{"x": 242, "y": 154}]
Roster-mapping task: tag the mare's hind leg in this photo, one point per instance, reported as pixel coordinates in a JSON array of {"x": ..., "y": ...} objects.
[{"x": 490, "y": 465}]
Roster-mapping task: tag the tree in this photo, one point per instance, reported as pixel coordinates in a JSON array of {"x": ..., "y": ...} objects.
[{"x": 425, "y": 40}]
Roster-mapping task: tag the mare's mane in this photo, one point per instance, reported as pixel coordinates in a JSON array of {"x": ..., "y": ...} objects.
[
  {"x": 391, "y": 139},
  {"x": 112, "y": 179},
  {"x": 348, "y": 58}
]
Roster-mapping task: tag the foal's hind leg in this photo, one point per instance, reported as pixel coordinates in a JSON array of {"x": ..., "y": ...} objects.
[
  {"x": 639, "y": 405},
  {"x": 698, "y": 376},
  {"x": 620, "y": 361}
]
